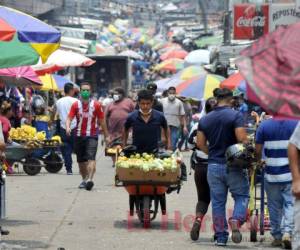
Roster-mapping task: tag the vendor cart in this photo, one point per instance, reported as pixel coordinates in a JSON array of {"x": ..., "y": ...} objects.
[
  {"x": 147, "y": 190},
  {"x": 33, "y": 159}
]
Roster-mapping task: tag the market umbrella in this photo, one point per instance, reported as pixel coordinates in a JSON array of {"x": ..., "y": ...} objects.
[
  {"x": 19, "y": 76},
  {"x": 141, "y": 64},
  {"x": 24, "y": 39},
  {"x": 191, "y": 71},
  {"x": 173, "y": 65},
  {"x": 61, "y": 59},
  {"x": 48, "y": 83},
  {"x": 200, "y": 56},
  {"x": 199, "y": 87},
  {"x": 60, "y": 81},
  {"x": 180, "y": 53},
  {"x": 131, "y": 54},
  {"x": 271, "y": 67},
  {"x": 161, "y": 83},
  {"x": 233, "y": 81}
]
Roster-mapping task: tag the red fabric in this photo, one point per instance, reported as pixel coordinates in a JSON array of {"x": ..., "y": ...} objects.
[
  {"x": 232, "y": 82},
  {"x": 6, "y": 126},
  {"x": 87, "y": 120},
  {"x": 271, "y": 67},
  {"x": 6, "y": 31}
]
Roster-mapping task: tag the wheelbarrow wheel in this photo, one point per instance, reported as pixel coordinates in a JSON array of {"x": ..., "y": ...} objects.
[
  {"x": 53, "y": 163},
  {"x": 253, "y": 228},
  {"x": 146, "y": 211},
  {"x": 54, "y": 168},
  {"x": 32, "y": 166}
]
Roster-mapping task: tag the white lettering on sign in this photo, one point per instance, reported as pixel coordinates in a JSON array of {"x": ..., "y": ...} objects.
[{"x": 257, "y": 21}]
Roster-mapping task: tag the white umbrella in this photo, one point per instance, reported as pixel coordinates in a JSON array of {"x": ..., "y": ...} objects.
[
  {"x": 61, "y": 59},
  {"x": 200, "y": 56},
  {"x": 131, "y": 54},
  {"x": 170, "y": 7}
]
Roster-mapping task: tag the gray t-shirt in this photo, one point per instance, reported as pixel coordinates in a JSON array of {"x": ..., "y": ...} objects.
[
  {"x": 295, "y": 138},
  {"x": 172, "y": 111}
]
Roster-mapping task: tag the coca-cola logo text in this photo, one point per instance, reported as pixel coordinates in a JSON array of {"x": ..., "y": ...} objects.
[{"x": 257, "y": 21}]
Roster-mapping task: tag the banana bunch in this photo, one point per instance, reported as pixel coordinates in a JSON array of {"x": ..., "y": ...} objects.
[
  {"x": 26, "y": 132},
  {"x": 56, "y": 138}
]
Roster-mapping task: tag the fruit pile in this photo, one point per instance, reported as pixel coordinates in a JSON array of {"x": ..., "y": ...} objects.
[
  {"x": 26, "y": 133},
  {"x": 147, "y": 162},
  {"x": 31, "y": 138}
]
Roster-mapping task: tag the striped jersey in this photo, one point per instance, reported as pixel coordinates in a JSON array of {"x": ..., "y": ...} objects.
[
  {"x": 275, "y": 135},
  {"x": 87, "y": 115}
]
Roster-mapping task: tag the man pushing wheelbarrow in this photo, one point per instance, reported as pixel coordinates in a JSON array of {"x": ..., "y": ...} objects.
[{"x": 147, "y": 125}]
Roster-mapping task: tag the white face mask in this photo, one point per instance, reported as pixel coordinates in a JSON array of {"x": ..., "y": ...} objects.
[
  {"x": 171, "y": 97},
  {"x": 145, "y": 113},
  {"x": 116, "y": 98}
]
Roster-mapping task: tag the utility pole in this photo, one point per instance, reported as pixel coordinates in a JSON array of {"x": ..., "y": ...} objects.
[
  {"x": 227, "y": 24},
  {"x": 201, "y": 5}
]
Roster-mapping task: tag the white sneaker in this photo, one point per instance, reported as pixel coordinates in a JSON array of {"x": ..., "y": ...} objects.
[
  {"x": 287, "y": 241},
  {"x": 82, "y": 184}
]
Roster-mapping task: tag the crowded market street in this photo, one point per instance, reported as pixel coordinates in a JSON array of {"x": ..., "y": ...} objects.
[{"x": 49, "y": 212}]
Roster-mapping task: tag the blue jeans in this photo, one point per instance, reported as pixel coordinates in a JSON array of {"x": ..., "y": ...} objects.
[
  {"x": 281, "y": 208},
  {"x": 221, "y": 179},
  {"x": 174, "y": 136},
  {"x": 67, "y": 148}
]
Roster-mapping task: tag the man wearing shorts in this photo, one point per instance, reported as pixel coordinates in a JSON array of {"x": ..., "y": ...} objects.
[{"x": 90, "y": 117}]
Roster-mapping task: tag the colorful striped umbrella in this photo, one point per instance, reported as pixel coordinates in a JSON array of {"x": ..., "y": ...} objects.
[
  {"x": 24, "y": 39},
  {"x": 233, "y": 81},
  {"x": 192, "y": 71},
  {"x": 181, "y": 54},
  {"x": 199, "y": 87},
  {"x": 173, "y": 65}
]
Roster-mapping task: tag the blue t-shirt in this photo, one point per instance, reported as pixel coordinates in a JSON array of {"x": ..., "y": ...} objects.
[
  {"x": 275, "y": 135},
  {"x": 219, "y": 129},
  {"x": 145, "y": 136}
]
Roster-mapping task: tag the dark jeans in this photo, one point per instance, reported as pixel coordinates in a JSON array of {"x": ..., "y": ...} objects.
[
  {"x": 203, "y": 191},
  {"x": 67, "y": 148}
]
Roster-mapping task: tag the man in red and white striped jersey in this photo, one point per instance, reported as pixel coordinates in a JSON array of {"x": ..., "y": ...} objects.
[{"x": 90, "y": 117}]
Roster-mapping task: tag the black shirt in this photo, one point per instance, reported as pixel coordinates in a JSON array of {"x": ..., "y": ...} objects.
[{"x": 146, "y": 135}]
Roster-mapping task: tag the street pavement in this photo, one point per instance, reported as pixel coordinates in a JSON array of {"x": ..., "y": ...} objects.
[{"x": 48, "y": 211}]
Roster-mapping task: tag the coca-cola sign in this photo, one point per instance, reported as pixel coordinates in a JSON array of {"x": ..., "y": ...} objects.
[
  {"x": 250, "y": 21},
  {"x": 257, "y": 21}
]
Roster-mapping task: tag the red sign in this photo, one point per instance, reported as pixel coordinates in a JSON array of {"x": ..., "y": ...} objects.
[{"x": 250, "y": 21}]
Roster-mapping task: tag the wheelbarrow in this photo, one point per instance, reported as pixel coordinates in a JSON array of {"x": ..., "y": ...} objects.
[
  {"x": 32, "y": 164},
  {"x": 147, "y": 191}
]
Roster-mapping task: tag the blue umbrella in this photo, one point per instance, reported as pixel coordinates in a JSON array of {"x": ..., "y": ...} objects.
[{"x": 61, "y": 81}]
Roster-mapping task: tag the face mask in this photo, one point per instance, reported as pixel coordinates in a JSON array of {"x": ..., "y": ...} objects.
[
  {"x": 116, "y": 98},
  {"x": 85, "y": 94},
  {"x": 145, "y": 113},
  {"x": 171, "y": 97}
]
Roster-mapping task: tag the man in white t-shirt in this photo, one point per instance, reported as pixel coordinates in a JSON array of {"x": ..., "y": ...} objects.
[
  {"x": 175, "y": 115},
  {"x": 63, "y": 107}
]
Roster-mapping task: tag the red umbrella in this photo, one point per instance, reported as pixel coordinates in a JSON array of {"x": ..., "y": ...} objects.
[
  {"x": 271, "y": 67},
  {"x": 181, "y": 54},
  {"x": 233, "y": 81},
  {"x": 61, "y": 59}
]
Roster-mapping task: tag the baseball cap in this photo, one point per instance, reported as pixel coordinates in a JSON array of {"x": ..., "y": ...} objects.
[{"x": 152, "y": 86}]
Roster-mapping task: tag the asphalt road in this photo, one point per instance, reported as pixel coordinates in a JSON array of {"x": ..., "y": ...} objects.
[{"x": 48, "y": 211}]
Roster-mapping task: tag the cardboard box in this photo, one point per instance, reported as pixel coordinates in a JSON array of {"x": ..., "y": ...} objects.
[
  {"x": 162, "y": 176},
  {"x": 133, "y": 174},
  {"x": 130, "y": 174}
]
